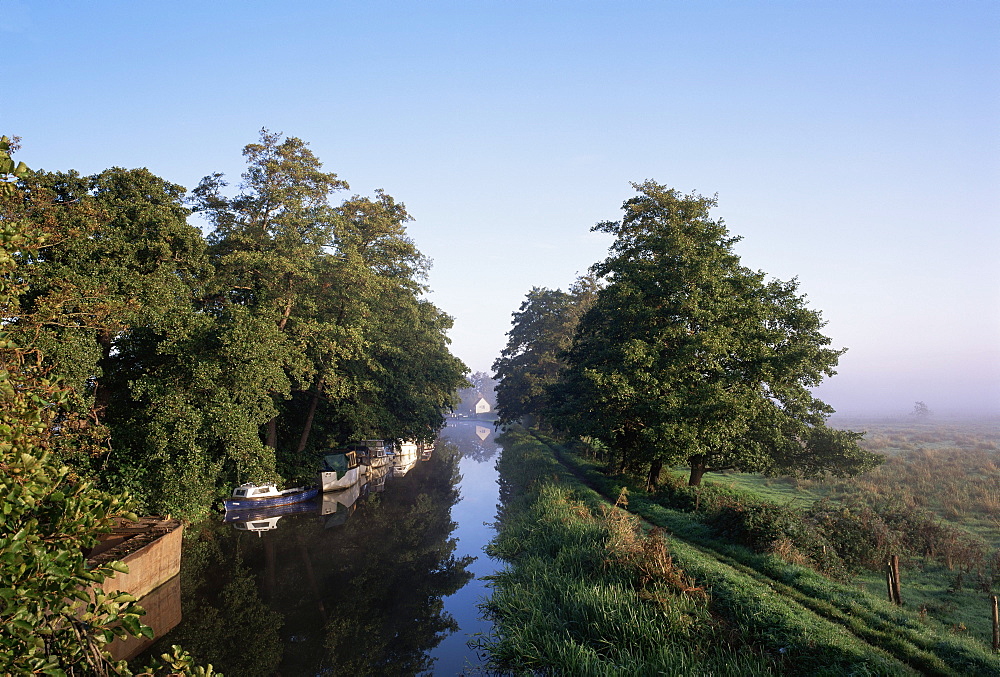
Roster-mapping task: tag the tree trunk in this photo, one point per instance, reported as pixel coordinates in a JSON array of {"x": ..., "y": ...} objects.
[
  {"x": 272, "y": 433},
  {"x": 653, "y": 480},
  {"x": 307, "y": 426},
  {"x": 285, "y": 315},
  {"x": 698, "y": 470}
]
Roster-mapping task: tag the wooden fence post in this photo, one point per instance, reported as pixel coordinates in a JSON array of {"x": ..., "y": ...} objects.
[
  {"x": 888, "y": 579},
  {"x": 892, "y": 580},
  {"x": 996, "y": 625},
  {"x": 895, "y": 581}
]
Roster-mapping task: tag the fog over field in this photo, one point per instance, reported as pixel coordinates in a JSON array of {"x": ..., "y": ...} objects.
[
  {"x": 852, "y": 144},
  {"x": 949, "y": 388}
]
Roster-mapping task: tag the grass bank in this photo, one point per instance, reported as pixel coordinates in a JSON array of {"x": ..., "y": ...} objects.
[
  {"x": 935, "y": 502},
  {"x": 586, "y": 592},
  {"x": 790, "y": 618}
]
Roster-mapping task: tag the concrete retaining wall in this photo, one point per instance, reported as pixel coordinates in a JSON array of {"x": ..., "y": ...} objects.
[
  {"x": 152, "y": 552},
  {"x": 163, "y": 613}
]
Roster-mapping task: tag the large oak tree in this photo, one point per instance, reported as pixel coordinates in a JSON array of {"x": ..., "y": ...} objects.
[
  {"x": 363, "y": 354},
  {"x": 688, "y": 357}
]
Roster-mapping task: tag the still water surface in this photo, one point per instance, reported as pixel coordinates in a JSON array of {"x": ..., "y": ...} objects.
[{"x": 385, "y": 583}]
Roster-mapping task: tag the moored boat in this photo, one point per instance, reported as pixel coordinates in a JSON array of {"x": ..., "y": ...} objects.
[
  {"x": 254, "y": 496},
  {"x": 426, "y": 450},
  {"x": 407, "y": 454},
  {"x": 340, "y": 471},
  {"x": 254, "y": 513},
  {"x": 374, "y": 453}
]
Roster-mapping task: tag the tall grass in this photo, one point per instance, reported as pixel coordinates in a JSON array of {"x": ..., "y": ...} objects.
[
  {"x": 585, "y": 592},
  {"x": 739, "y": 576},
  {"x": 949, "y": 468}
]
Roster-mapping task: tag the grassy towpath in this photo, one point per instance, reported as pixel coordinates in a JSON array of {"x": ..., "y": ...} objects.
[{"x": 794, "y": 609}]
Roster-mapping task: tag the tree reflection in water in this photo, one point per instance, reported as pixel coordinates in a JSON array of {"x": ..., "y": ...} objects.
[
  {"x": 476, "y": 439},
  {"x": 361, "y": 598}
]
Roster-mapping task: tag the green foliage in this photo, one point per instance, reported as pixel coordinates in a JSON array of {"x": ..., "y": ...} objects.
[
  {"x": 9, "y": 172},
  {"x": 50, "y": 619},
  {"x": 178, "y": 662},
  {"x": 688, "y": 357},
  {"x": 54, "y": 619},
  {"x": 867, "y": 533},
  {"x": 193, "y": 417},
  {"x": 859, "y": 535},
  {"x": 48, "y": 518},
  {"x": 363, "y": 355},
  {"x": 533, "y": 358},
  {"x": 105, "y": 300},
  {"x": 193, "y": 364}
]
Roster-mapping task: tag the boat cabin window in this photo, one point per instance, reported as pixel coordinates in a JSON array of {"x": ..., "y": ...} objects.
[
  {"x": 240, "y": 492},
  {"x": 262, "y": 490}
]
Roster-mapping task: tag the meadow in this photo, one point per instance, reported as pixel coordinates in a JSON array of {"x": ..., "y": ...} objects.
[{"x": 945, "y": 473}]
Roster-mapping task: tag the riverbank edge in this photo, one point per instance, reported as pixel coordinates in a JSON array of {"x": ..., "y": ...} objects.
[{"x": 586, "y": 592}]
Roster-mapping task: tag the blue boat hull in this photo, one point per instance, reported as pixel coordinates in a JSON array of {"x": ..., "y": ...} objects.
[
  {"x": 259, "y": 503},
  {"x": 252, "y": 514}
]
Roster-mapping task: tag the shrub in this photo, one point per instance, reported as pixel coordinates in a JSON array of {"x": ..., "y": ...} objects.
[{"x": 859, "y": 535}]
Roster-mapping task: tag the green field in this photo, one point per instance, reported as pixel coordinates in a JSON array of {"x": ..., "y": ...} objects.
[{"x": 951, "y": 469}]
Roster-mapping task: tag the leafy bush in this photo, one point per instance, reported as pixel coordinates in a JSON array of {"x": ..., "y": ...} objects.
[
  {"x": 859, "y": 533},
  {"x": 860, "y": 536},
  {"x": 761, "y": 525}
]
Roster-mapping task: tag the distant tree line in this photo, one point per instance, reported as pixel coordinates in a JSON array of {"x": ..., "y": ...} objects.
[
  {"x": 192, "y": 363},
  {"x": 671, "y": 352},
  {"x": 478, "y": 385}
]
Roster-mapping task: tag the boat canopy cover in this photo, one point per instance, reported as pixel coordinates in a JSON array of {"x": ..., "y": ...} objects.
[{"x": 338, "y": 463}]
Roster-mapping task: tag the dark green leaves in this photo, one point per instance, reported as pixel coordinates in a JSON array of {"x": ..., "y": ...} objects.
[
  {"x": 54, "y": 619},
  {"x": 689, "y": 357},
  {"x": 542, "y": 331}
]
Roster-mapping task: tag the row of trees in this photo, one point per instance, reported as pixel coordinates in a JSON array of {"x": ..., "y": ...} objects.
[
  {"x": 197, "y": 362},
  {"x": 674, "y": 353}
]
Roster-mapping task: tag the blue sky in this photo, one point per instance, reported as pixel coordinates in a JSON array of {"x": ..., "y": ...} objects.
[{"x": 855, "y": 145}]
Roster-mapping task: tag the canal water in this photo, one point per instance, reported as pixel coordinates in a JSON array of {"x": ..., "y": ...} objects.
[{"x": 381, "y": 579}]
